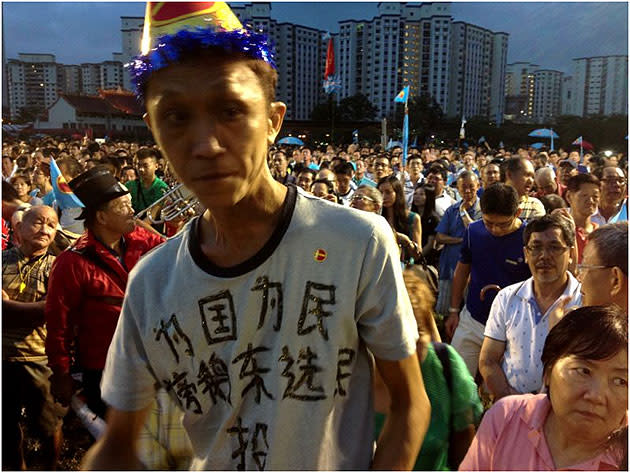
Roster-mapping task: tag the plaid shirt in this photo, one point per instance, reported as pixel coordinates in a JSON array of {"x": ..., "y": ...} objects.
[
  {"x": 25, "y": 343},
  {"x": 530, "y": 208}
]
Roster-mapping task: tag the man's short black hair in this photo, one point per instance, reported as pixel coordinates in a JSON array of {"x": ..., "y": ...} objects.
[
  {"x": 344, "y": 168},
  {"x": 329, "y": 184},
  {"x": 438, "y": 169},
  {"x": 310, "y": 171},
  {"x": 499, "y": 199},
  {"x": 544, "y": 223},
  {"x": 514, "y": 165},
  {"x": 144, "y": 153}
]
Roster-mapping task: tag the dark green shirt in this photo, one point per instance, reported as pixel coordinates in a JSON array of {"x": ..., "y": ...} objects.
[{"x": 141, "y": 198}]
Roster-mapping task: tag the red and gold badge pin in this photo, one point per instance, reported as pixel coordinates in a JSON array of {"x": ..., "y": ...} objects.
[{"x": 320, "y": 255}]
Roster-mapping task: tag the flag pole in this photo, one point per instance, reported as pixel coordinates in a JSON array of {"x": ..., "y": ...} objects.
[{"x": 405, "y": 133}]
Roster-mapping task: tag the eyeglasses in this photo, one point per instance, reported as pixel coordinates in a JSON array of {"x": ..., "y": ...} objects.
[
  {"x": 615, "y": 180},
  {"x": 362, "y": 198},
  {"x": 554, "y": 250},
  {"x": 582, "y": 268}
]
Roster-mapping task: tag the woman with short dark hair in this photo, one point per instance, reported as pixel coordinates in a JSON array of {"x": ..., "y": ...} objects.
[{"x": 580, "y": 422}]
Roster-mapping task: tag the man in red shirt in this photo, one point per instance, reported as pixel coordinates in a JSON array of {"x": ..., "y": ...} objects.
[{"x": 87, "y": 284}]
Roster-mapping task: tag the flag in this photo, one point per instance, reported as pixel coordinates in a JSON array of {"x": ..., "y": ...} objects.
[
  {"x": 415, "y": 142},
  {"x": 501, "y": 145},
  {"x": 403, "y": 95},
  {"x": 355, "y": 136},
  {"x": 330, "y": 59},
  {"x": 331, "y": 81},
  {"x": 462, "y": 130},
  {"x": 578, "y": 141},
  {"x": 63, "y": 194},
  {"x": 481, "y": 140}
]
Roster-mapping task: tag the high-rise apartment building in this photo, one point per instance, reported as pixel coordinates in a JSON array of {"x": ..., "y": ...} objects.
[
  {"x": 566, "y": 98},
  {"x": 547, "y": 95},
  {"x": 519, "y": 90},
  {"x": 599, "y": 86},
  {"x": 300, "y": 57},
  {"x": 461, "y": 66},
  {"x": 477, "y": 72},
  {"x": 32, "y": 83},
  {"x": 131, "y": 35}
]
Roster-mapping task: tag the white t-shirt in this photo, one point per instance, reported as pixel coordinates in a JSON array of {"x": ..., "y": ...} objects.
[{"x": 268, "y": 359}]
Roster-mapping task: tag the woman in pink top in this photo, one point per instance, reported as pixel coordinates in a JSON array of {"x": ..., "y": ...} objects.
[{"x": 580, "y": 423}]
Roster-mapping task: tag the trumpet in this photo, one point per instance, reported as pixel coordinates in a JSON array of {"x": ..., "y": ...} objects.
[{"x": 176, "y": 203}]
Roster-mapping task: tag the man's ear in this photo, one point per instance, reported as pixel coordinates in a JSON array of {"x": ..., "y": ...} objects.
[
  {"x": 147, "y": 120},
  {"x": 518, "y": 213},
  {"x": 619, "y": 281},
  {"x": 274, "y": 122}
]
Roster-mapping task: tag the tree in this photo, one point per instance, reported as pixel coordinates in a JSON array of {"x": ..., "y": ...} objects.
[
  {"x": 357, "y": 108},
  {"x": 425, "y": 116},
  {"x": 27, "y": 114},
  {"x": 321, "y": 112}
]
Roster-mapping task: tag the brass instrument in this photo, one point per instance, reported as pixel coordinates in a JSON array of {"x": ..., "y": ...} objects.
[{"x": 179, "y": 202}]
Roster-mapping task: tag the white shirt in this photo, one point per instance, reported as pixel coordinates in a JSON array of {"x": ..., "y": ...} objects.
[
  {"x": 442, "y": 203},
  {"x": 516, "y": 320}
]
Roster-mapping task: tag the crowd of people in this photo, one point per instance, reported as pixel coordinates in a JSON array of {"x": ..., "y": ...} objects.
[{"x": 326, "y": 308}]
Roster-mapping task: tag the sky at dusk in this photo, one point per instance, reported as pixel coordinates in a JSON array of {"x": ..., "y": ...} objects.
[{"x": 549, "y": 34}]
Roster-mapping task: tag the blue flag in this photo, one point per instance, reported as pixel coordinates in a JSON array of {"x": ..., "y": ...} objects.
[
  {"x": 63, "y": 194},
  {"x": 355, "y": 136},
  {"x": 403, "y": 95}
]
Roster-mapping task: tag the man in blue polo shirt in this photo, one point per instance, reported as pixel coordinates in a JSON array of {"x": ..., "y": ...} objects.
[{"x": 492, "y": 255}]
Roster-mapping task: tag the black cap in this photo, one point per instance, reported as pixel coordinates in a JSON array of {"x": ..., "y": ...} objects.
[{"x": 95, "y": 188}]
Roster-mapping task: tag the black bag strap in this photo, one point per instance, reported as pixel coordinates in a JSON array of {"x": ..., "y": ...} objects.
[{"x": 90, "y": 255}]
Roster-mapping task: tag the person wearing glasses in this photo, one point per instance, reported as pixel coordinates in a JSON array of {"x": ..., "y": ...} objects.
[
  {"x": 367, "y": 198},
  {"x": 518, "y": 323},
  {"x": 614, "y": 197},
  {"x": 492, "y": 255},
  {"x": 437, "y": 177},
  {"x": 604, "y": 268}
]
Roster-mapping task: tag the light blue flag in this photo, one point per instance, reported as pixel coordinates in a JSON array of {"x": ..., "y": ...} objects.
[
  {"x": 403, "y": 95},
  {"x": 63, "y": 194},
  {"x": 355, "y": 136}
]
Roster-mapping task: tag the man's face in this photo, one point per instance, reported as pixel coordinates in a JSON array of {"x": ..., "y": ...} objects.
[
  {"x": 7, "y": 166},
  {"x": 523, "y": 179},
  {"x": 546, "y": 184},
  {"x": 436, "y": 180},
  {"x": 491, "y": 174},
  {"x": 574, "y": 156},
  {"x": 585, "y": 200},
  {"x": 280, "y": 164},
  {"x": 547, "y": 256},
  {"x": 414, "y": 167},
  {"x": 382, "y": 168},
  {"x": 343, "y": 183},
  {"x": 468, "y": 161},
  {"x": 306, "y": 156},
  {"x": 597, "y": 282},
  {"x": 467, "y": 188},
  {"x": 304, "y": 180},
  {"x": 128, "y": 175},
  {"x": 214, "y": 124},
  {"x": 38, "y": 229},
  {"x": 361, "y": 168},
  {"x": 498, "y": 225},
  {"x": 147, "y": 168},
  {"x": 321, "y": 190},
  {"x": 118, "y": 215},
  {"x": 613, "y": 185},
  {"x": 39, "y": 178}
]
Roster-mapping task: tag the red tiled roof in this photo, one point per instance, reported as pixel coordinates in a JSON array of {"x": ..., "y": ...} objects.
[
  {"x": 109, "y": 102},
  {"x": 123, "y": 101}
]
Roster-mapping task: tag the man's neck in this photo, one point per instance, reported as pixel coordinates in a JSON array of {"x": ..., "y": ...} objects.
[
  {"x": 548, "y": 292},
  {"x": 108, "y": 238},
  {"x": 608, "y": 209},
  {"x": 148, "y": 181},
  {"x": 29, "y": 252},
  {"x": 581, "y": 221},
  {"x": 224, "y": 237}
]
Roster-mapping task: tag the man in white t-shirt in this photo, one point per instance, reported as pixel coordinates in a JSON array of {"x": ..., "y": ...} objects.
[{"x": 262, "y": 316}]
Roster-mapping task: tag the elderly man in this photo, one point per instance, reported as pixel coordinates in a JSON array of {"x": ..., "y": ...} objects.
[
  {"x": 518, "y": 322},
  {"x": 256, "y": 317},
  {"x": 604, "y": 268},
  {"x": 88, "y": 281},
  {"x": 25, "y": 272},
  {"x": 546, "y": 183},
  {"x": 519, "y": 173}
]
